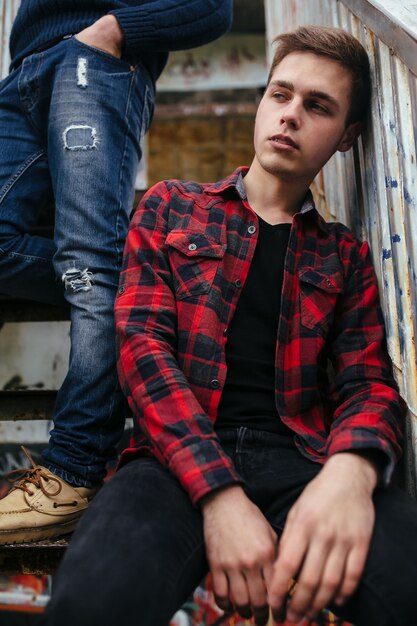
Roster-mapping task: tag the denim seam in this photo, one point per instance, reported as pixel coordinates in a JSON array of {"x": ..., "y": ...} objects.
[
  {"x": 13, "y": 180},
  {"x": 122, "y": 164},
  {"x": 109, "y": 417},
  {"x": 36, "y": 74},
  {"x": 29, "y": 257}
]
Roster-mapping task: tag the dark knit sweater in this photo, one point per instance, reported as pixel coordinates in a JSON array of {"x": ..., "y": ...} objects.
[{"x": 151, "y": 28}]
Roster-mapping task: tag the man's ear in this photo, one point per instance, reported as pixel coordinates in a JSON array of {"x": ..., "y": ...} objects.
[{"x": 351, "y": 133}]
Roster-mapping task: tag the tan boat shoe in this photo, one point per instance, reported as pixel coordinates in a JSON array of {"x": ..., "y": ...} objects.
[{"x": 40, "y": 506}]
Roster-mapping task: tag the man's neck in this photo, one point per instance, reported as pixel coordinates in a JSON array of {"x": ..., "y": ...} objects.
[{"x": 274, "y": 199}]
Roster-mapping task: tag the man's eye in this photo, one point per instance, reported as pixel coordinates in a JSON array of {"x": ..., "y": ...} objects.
[
  {"x": 317, "y": 107},
  {"x": 278, "y": 95}
]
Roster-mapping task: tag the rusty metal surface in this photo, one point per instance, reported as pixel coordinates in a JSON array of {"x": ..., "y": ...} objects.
[{"x": 373, "y": 189}]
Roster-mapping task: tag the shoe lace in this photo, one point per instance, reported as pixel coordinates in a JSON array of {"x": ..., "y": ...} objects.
[{"x": 23, "y": 477}]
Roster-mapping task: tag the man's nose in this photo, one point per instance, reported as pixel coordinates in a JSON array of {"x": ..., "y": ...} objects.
[{"x": 291, "y": 114}]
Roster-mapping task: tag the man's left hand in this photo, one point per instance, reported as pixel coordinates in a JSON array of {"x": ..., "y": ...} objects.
[
  {"x": 325, "y": 540},
  {"x": 105, "y": 34}
]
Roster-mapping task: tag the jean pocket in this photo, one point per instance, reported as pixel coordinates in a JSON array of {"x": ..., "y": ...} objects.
[
  {"x": 120, "y": 62},
  {"x": 194, "y": 260},
  {"x": 319, "y": 290}
]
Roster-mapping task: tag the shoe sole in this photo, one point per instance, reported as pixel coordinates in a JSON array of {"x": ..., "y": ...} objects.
[{"x": 31, "y": 535}]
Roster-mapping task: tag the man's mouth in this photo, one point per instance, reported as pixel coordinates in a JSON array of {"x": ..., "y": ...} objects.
[{"x": 285, "y": 140}]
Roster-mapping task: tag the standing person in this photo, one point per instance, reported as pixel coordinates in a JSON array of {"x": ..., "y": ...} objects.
[
  {"x": 79, "y": 97},
  {"x": 251, "y": 457}
]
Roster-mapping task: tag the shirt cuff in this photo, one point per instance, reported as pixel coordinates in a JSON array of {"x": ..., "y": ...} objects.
[{"x": 202, "y": 468}]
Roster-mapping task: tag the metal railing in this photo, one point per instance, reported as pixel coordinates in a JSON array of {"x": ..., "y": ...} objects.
[{"x": 373, "y": 188}]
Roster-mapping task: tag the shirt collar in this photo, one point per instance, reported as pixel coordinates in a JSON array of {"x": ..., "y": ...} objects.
[
  {"x": 235, "y": 180},
  {"x": 231, "y": 181}
]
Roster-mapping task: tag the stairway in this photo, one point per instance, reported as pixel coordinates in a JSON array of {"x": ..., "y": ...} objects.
[{"x": 42, "y": 557}]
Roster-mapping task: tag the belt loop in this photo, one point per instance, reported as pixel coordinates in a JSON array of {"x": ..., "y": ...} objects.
[{"x": 241, "y": 433}]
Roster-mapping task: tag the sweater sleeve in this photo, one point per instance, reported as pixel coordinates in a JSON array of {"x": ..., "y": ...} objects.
[{"x": 166, "y": 25}]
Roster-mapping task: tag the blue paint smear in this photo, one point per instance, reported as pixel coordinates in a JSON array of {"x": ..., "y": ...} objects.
[
  {"x": 386, "y": 254},
  {"x": 396, "y": 239},
  {"x": 390, "y": 182},
  {"x": 408, "y": 198}
]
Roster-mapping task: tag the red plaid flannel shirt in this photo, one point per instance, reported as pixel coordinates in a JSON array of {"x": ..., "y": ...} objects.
[{"x": 187, "y": 256}]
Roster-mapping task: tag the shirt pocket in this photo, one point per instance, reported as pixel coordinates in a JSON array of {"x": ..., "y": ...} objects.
[
  {"x": 319, "y": 290},
  {"x": 194, "y": 259}
]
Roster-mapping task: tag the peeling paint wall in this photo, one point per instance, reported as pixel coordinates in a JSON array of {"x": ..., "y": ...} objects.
[{"x": 373, "y": 188}]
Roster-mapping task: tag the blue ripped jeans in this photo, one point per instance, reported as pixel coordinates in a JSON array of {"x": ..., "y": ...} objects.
[{"x": 71, "y": 119}]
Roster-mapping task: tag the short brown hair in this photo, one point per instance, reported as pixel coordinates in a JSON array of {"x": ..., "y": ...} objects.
[{"x": 338, "y": 45}]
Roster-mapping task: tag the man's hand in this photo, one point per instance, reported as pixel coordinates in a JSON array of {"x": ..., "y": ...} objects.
[
  {"x": 241, "y": 550},
  {"x": 105, "y": 34},
  {"x": 325, "y": 540}
]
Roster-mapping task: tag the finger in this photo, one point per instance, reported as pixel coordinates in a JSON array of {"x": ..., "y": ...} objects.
[
  {"x": 308, "y": 579},
  {"x": 331, "y": 580},
  {"x": 292, "y": 550},
  {"x": 280, "y": 614},
  {"x": 258, "y": 596},
  {"x": 267, "y": 574},
  {"x": 238, "y": 591},
  {"x": 261, "y": 615},
  {"x": 221, "y": 590},
  {"x": 355, "y": 565},
  {"x": 244, "y": 611}
]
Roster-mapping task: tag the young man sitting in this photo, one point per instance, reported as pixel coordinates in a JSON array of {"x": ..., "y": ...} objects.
[{"x": 252, "y": 458}]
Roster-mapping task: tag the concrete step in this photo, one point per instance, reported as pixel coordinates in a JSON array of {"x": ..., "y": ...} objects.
[
  {"x": 27, "y": 405},
  {"x": 37, "y": 558},
  {"x": 21, "y": 310}
]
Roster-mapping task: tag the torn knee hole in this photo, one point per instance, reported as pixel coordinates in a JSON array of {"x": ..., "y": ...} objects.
[{"x": 77, "y": 280}]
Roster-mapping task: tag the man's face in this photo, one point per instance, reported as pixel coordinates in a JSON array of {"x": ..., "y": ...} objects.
[{"x": 301, "y": 119}]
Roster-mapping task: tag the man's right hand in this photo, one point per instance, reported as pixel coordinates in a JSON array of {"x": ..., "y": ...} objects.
[
  {"x": 105, "y": 34},
  {"x": 241, "y": 549}
]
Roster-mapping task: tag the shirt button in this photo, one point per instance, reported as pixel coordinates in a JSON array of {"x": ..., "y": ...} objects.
[
  {"x": 238, "y": 283},
  {"x": 192, "y": 246},
  {"x": 121, "y": 290},
  {"x": 251, "y": 230},
  {"x": 215, "y": 384}
]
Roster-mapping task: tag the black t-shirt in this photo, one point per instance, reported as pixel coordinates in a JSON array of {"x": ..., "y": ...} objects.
[{"x": 248, "y": 398}]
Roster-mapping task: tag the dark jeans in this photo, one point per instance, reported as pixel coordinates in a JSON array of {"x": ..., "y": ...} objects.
[{"x": 139, "y": 550}]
